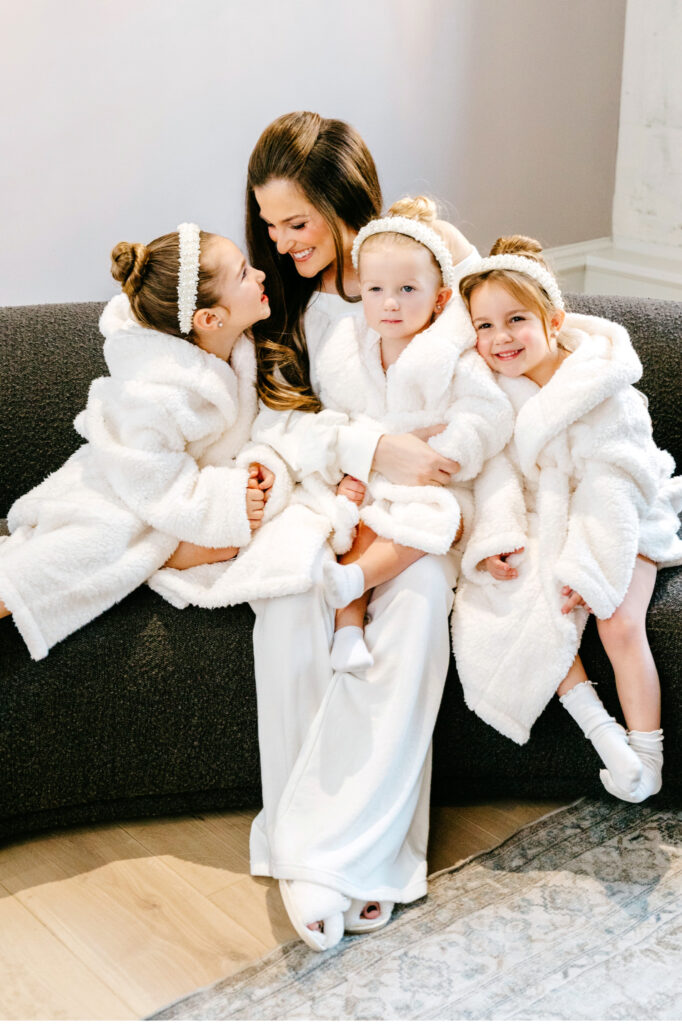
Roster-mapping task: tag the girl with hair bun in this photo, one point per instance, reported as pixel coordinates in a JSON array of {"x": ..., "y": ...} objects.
[
  {"x": 345, "y": 756},
  {"x": 572, "y": 519},
  {"x": 164, "y": 473}
]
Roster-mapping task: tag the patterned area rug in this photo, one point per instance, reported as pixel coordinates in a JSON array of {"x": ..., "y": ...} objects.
[{"x": 576, "y": 917}]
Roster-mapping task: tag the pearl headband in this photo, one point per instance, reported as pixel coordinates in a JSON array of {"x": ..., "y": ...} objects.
[
  {"x": 188, "y": 275},
  {"x": 414, "y": 229},
  {"x": 525, "y": 265}
]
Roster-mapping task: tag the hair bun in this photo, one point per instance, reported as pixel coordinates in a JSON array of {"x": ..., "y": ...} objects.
[
  {"x": 518, "y": 245},
  {"x": 419, "y": 208},
  {"x": 128, "y": 264}
]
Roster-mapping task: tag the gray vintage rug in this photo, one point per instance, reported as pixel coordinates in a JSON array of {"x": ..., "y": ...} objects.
[{"x": 576, "y": 917}]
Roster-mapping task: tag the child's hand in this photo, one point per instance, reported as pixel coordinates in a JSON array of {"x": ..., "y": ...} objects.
[
  {"x": 255, "y": 503},
  {"x": 263, "y": 478},
  {"x": 574, "y": 599},
  {"x": 352, "y": 489},
  {"x": 497, "y": 566}
]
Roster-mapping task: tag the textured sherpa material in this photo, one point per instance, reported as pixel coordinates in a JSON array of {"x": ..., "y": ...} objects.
[
  {"x": 163, "y": 433},
  {"x": 148, "y": 710},
  {"x": 583, "y": 489},
  {"x": 438, "y": 378}
]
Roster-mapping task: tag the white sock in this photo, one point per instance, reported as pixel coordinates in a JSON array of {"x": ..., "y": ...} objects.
[
  {"x": 649, "y": 747},
  {"x": 349, "y": 650},
  {"x": 605, "y": 734},
  {"x": 342, "y": 583}
]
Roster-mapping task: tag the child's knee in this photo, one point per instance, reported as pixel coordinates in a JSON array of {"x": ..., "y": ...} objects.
[{"x": 622, "y": 630}]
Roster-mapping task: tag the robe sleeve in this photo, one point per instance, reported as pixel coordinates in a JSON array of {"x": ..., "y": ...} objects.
[
  {"x": 136, "y": 434},
  {"x": 479, "y": 419},
  {"x": 318, "y": 442},
  {"x": 617, "y": 486},
  {"x": 500, "y": 521}
]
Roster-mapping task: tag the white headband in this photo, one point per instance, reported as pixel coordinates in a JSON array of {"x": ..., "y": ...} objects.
[
  {"x": 507, "y": 261},
  {"x": 414, "y": 229},
  {"x": 188, "y": 275}
]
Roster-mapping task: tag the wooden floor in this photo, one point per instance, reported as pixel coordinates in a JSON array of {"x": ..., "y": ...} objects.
[{"x": 115, "y": 921}]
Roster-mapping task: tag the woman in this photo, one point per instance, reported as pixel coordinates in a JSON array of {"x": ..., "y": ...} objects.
[{"x": 345, "y": 758}]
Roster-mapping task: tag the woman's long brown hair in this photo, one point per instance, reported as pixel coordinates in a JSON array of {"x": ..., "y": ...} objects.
[{"x": 331, "y": 164}]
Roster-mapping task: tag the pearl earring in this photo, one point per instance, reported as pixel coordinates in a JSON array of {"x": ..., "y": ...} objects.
[
  {"x": 438, "y": 307},
  {"x": 220, "y": 323}
]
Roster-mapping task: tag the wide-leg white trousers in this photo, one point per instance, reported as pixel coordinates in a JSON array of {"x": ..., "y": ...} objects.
[{"x": 346, "y": 759}]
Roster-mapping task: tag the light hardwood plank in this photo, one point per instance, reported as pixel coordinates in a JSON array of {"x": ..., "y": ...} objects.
[
  {"x": 41, "y": 979},
  {"x": 131, "y": 920},
  {"x": 257, "y": 905},
  {"x": 209, "y": 852}
]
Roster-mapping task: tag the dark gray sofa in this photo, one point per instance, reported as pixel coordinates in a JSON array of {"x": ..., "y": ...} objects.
[{"x": 151, "y": 710}]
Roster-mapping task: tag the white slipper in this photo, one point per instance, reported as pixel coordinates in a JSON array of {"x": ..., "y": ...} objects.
[
  {"x": 306, "y": 902},
  {"x": 355, "y": 924}
]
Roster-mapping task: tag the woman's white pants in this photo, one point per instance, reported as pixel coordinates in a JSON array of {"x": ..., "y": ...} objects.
[{"x": 346, "y": 759}]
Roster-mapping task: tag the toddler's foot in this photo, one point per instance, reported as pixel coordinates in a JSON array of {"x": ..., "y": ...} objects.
[
  {"x": 342, "y": 583},
  {"x": 649, "y": 747},
  {"x": 349, "y": 650}
]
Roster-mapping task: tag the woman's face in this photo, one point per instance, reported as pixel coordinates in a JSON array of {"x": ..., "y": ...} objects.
[{"x": 296, "y": 227}]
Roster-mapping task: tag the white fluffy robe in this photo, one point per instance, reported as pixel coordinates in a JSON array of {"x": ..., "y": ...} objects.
[
  {"x": 584, "y": 489},
  {"x": 438, "y": 378},
  {"x": 162, "y": 463}
]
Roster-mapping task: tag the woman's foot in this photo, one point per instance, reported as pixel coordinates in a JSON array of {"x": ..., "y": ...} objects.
[
  {"x": 316, "y": 912},
  {"x": 367, "y": 915}
]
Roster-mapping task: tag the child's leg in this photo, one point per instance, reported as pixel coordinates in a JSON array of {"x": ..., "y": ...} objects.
[
  {"x": 608, "y": 738},
  {"x": 382, "y": 561},
  {"x": 627, "y": 646},
  {"x": 349, "y": 651},
  {"x": 4, "y": 610}
]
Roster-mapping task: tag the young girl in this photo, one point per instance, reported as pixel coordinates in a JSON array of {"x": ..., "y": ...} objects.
[
  {"x": 571, "y": 519},
  {"x": 409, "y": 364},
  {"x": 164, "y": 460}
]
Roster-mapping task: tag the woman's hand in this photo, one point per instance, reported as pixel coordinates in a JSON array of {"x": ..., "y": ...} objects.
[
  {"x": 498, "y": 567},
  {"x": 264, "y": 478},
  {"x": 353, "y": 489},
  {"x": 574, "y": 599},
  {"x": 406, "y": 459},
  {"x": 186, "y": 555}
]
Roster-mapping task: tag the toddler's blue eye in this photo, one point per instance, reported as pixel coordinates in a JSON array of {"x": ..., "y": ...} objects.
[{"x": 408, "y": 288}]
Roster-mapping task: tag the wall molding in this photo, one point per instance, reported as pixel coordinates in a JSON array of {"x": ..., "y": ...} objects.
[{"x": 618, "y": 267}]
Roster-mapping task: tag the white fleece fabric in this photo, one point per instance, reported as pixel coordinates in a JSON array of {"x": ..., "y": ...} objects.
[
  {"x": 438, "y": 378},
  {"x": 165, "y": 460},
  {"x": 584, "y": 489}
]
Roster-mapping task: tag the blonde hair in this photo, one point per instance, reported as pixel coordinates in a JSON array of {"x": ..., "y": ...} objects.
[
  {"x": 419, "y": 208},
  {"x": 148, "y": 274},
  {"x": 523, "y": 287}
]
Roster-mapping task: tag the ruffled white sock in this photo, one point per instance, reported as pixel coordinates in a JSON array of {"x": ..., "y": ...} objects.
[
  {"x": 349, "y": 650},
  {"x": 342, "y": 583},
  {"x": 608, "y": 738},
  {"x": 649, "y": 747}
]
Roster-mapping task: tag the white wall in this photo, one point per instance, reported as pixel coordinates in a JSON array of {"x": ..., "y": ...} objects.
[
  {"x": 121, "y": 118},
  {"x": 648, "y": 200}
]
